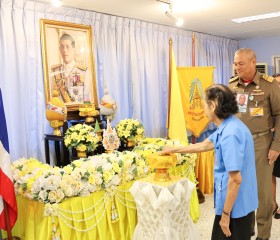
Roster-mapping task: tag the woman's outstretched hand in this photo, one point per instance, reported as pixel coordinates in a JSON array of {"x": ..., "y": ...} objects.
[{"x": 166, "y": 151}]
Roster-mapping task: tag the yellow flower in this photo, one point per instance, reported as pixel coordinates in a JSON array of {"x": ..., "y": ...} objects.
[
  {"x": 74, "y": 135},
  {"x": 107, "y": 176},
  {"x": 78, "y": 126},
  {"x": 130, "y": 129},
  {"x": 126, "y": 134},
  {"x": 116, "y": 167},
  {"x": 81, "y": 134},
  {"x": 67, "y": 141},
  {"x": 139, "y": 131},
  {"x": 140, "y": 171},
  {"x": 30, "y": 183},
  {"x": 80, "y": 138},
  {"x": 91, "y": 179},
  {"x": 68, "y": 169},
  {"x": 81, "y": 147},
  {"x": 77, "y": 163}
]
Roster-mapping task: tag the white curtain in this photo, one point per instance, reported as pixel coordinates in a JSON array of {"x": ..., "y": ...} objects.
[{"x": 131, "y": 58}]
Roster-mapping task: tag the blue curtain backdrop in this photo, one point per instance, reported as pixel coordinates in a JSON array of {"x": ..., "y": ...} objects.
[{"x": 131, "y": 56}]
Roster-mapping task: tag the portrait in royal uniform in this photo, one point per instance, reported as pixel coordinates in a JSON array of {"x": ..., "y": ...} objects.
[{"x": 68, "y": 62}]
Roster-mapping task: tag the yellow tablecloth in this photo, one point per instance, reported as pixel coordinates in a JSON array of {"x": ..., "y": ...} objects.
[
  {"x": 204, "y": 171},
  {"x": 88, "y": 218}
]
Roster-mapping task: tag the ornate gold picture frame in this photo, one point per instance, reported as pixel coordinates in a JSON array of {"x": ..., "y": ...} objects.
[{"x": 68, "y": 62}]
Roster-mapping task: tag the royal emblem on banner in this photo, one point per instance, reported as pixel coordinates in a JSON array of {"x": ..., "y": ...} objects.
[{"x": 193, "y": 82}]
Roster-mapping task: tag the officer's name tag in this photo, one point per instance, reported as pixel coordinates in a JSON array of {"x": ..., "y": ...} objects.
[
  {"x": 257, "y": 93},
  {"x": 255, "y": 112}
]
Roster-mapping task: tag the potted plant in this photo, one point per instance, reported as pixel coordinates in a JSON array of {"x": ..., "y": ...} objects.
[
  {"x": 82, "y": 137},
  {"x": 130, "y": 131}
]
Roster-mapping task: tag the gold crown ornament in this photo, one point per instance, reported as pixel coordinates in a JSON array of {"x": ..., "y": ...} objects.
[
  {"x": 56, "y": 112},
  {"x": 161, "y": 163}
]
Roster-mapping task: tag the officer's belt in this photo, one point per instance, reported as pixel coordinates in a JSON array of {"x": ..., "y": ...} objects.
[{"x": 260, "y": 134}]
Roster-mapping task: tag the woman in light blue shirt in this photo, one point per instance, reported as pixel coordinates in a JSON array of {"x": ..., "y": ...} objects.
[{"x": 235, "y": 191}]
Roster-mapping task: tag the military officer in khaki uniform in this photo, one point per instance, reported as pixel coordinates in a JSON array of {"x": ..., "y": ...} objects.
[
  {"x": 263, "y": 105},
  {"x": 72, "y": 80}
]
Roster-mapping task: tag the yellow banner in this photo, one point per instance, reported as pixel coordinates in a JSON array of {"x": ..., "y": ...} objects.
[
  {"x": 177, "y": 128},
  {"x": 193, "y": 82}
]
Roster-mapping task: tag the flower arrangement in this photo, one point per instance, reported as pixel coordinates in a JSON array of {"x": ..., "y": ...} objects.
[
  {"x": 130, "y": 129},
  {"x": 82, "y": 137},
  {"x": 42, "y": 182}
]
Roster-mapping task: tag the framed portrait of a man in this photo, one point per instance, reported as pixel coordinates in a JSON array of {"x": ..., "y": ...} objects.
[{"x": 68, "y": 62}]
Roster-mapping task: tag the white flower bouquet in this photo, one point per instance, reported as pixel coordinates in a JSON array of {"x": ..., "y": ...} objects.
[{"x": 41, "y": 182}]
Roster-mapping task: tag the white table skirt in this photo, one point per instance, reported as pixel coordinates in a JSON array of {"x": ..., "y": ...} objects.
[{"x": 163, "y": 210}]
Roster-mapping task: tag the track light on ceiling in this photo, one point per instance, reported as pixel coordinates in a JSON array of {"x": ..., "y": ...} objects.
[{"x": 178, "y": 21}]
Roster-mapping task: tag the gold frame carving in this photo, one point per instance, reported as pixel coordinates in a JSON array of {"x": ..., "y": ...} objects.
[{"x": 51, "y": 31}]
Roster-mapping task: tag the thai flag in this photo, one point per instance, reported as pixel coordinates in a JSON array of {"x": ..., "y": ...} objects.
[{"x": 7, "y": 191}]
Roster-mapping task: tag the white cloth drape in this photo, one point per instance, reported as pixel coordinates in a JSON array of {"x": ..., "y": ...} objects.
[{"x": 130, "y": 55}]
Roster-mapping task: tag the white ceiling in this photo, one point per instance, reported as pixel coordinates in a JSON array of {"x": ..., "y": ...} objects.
[{"x": 214, "y": 19}]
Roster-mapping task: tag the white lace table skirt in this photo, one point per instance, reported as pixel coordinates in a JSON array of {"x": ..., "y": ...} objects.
[{"x": 163, "y": 211}]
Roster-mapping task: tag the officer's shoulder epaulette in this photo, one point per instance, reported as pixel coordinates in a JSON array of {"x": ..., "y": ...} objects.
[
  {"x": 233, "y": 79},
  {"x": 82, "y": 67},
  {"x": 267, "y": 78},
  {"x": 56, "y": 66}
]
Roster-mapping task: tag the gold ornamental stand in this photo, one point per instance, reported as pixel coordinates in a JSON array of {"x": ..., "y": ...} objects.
[
  {"x": 161, "y": 163},
  {"x": 88, "y": 111}
]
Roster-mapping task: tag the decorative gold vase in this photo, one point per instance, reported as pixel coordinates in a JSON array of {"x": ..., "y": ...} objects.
[
  {"x": 161, "y": 164},
  {"x": 81, "y": 154},
  {"x": 130, "y": 143},
  {"x": 56, "y": 125},
  {"x": 99, "y": 134}
]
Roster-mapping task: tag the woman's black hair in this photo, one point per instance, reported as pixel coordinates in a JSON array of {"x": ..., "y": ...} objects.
[{"x": 224, "y": 99}]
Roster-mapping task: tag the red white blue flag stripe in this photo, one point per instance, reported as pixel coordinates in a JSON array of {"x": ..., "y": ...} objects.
[{"x": 7, "y": 191}]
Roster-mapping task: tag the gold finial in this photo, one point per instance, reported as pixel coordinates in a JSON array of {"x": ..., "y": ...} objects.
[{"x": 170, "y": 41}]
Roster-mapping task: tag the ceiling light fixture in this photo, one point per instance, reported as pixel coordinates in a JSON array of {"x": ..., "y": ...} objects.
[
  {"x": 256, "y": 17},
  {"x": 178, "y": 21},
  {"x": 56, "y": 3}
]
